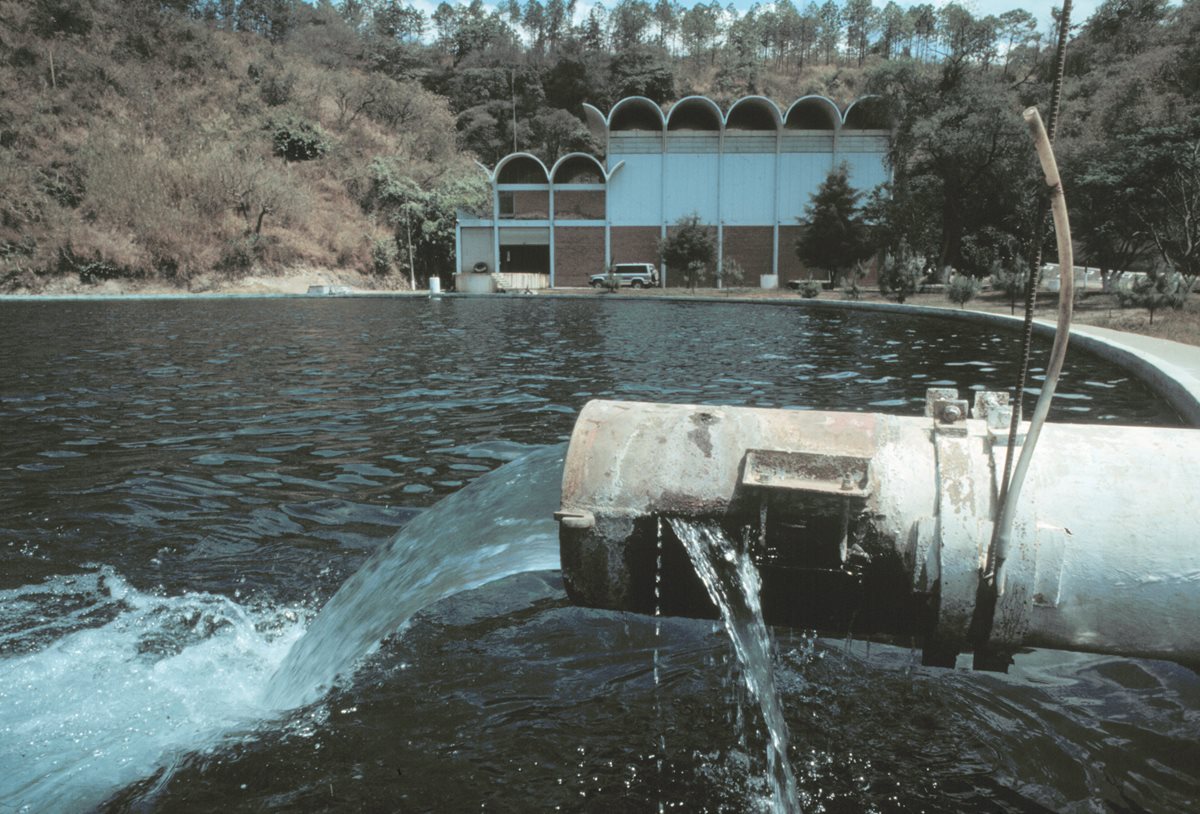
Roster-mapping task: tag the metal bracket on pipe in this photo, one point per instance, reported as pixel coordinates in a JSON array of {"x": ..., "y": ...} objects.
[
  {"x": 573, "y": 519},
  {"x": 823, "y": 473},
  {"x": 960, "y": 534},
  {"x": 948, "y": 411}
]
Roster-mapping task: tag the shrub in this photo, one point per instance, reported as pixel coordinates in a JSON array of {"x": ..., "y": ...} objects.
[
  {"x": 295, "y": 139},
  {"x": 961, "y": 289},
  {"x": 1012, "y": 281},
  {"x": 91, "y": 270},
  {"x": 383, "y": 256},
  {"x": 276, "y": 88},
  {"x": 689, "y": 246},
  {"x": 238, "y": 256},
  {"x": 901, "y": 274},
  {"x": 732, "y": 273},
  {"x": 1153, "y": 291},
  {"x": 809, "y": 289},
  {"x": 852, "y": 289}
]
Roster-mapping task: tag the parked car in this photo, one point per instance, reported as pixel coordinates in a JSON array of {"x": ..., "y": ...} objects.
[{"x": 634, "y": 275}]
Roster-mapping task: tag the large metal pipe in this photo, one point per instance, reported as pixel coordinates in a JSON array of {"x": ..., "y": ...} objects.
[{"x": 879, "y": 524}]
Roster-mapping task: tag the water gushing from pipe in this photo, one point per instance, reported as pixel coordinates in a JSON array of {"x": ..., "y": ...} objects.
[
  {"x": 732, "y": 582},
  {"x": 498, "y": 526}
]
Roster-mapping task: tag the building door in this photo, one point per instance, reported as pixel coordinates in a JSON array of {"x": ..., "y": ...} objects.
[{"x": 516, "y": 259}]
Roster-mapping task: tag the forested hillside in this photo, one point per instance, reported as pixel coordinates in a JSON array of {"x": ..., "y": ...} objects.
[{"x": 185, "y": 140}]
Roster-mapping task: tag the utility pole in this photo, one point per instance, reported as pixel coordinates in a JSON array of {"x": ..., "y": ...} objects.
[{"x": 513, "y": 85}]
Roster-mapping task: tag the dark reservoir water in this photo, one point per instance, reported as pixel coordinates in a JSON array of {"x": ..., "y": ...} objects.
[{"x": 184, "y": 484}]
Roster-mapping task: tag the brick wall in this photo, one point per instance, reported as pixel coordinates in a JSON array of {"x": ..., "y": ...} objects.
[
  {"x": 790, "y": 267},
  {"x": 531, "y": 205},
  {"x": 579, "y": 204},
  {"x": 750, "y": 246},
  {"x": 578, "y": 254},
  {"x": 635, "y": 244}
]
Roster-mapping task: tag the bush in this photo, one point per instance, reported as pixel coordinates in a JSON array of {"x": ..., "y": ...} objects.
[
  {"x": 238, "y": 256},
  {"x": 809, "y": 289},
  {"x": 383, "y": 256},
  {"x": 689, "y": 246},
  {"x": 91, "y": 270},
  {"x": 276, "y": 88},
  {"x": 901, "y": 274},
  {"x": 1153, "y": 291},
  {"x": 961, "y": 289},
  {"x": 295, "y": 139},
  {"x": 732, "y": 273},
  {"x": 852, "y": 289},
  {"x": 1012, "y": 281}
]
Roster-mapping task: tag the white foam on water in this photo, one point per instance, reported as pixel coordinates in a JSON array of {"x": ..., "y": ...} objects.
[{"x": 98, "y": 708}]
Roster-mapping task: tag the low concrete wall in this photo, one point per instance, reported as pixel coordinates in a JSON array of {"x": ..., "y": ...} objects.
[
  {"x": 525, "y": 280},
  {"x": 471, "y": 283}
]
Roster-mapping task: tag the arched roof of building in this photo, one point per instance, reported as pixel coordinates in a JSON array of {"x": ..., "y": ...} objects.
[
  {"x": 753, "y": 113},
  {"x": 597, "y": 122},
  {"x": 813, "y": 113},
  {"x": 636, "y": 113},
  {"x": 520, "y": 168},
  {"x": 867, "y": 113},
  {"x": 572, "y": 165},
  {"x": 695, "y": 113}
]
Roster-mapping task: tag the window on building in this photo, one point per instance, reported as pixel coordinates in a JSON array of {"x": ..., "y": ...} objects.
[{"x": 507, "y": 205}]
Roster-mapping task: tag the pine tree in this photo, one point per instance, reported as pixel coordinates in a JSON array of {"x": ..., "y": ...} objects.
[{"x": 836, "y": 237}]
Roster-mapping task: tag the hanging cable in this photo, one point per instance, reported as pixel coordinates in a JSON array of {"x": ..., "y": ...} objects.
[
  {"x": 1035, "y": 268},
  {"x": 991, "y": 584}
]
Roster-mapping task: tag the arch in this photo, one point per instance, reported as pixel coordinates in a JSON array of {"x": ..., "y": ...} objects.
[
  {"x": 812, "y": 113},
  {"x": 521, "y": 168},
  {"x": 868, "y": 113},
  {"x": 577, "y": 168},
  {"x": 635, "y": 113},
  {"x": 753, "y": 113},
  {"x": 695, "y": 113},
  {"x": 597, "y": 125}
]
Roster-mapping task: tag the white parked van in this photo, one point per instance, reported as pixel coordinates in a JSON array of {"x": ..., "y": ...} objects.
[{"x": 633, "y": 275}]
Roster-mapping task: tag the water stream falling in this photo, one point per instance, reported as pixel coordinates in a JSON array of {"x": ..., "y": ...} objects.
[
  {"x": 499, "y": 525},
  {"x": 732, "y": 582}
]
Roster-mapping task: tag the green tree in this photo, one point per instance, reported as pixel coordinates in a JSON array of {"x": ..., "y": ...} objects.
[
  {"x": 1167, "y": 202},
  {"x": 961, "y": 159},
  {"x": 422, "y": 217},
  {"x": 688, "y": 247},
  {"x": 961, "y": 289},
  {"x": 699, "y": 29},
  {"x": 829, "y": 31},
  {"x": 835, "y": 237},
  {"x": 862, "y": 18},
  {"x": 1012, "y": 280},
  {"x": 642, "y": 71}
]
